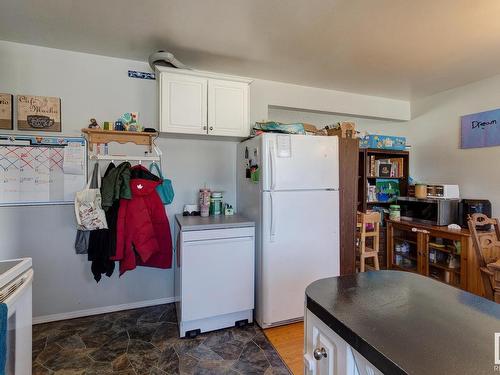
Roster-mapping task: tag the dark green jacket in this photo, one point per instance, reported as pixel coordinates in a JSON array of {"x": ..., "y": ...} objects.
[{"x": 116, "y": 185}]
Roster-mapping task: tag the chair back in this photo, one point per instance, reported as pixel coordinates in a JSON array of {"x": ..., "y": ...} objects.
[
  {"x": 486, "y": 246},
  {"x": 369, "y": 218}
]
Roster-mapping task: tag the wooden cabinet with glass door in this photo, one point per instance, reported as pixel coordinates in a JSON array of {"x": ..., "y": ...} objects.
[{"x": 436, "y": 252}]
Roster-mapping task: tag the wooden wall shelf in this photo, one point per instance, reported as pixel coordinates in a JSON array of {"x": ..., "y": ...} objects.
[{"x": 99, "y": 136}]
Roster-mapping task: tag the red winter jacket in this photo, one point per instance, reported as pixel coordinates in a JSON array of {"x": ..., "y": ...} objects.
[{"x": 143, "y": 232}]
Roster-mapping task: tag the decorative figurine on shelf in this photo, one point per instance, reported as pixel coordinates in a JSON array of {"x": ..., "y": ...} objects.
[
  {"x": 130, "y": 121},
  {"x": 119, "y": 125},
  {"x": 93, "y": 124}
]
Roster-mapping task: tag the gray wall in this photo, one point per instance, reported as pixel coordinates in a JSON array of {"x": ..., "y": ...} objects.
[{"x": 96, "y": 86}]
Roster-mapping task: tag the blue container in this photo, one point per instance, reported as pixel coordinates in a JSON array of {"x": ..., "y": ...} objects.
[{"x": 387, "y": 142}]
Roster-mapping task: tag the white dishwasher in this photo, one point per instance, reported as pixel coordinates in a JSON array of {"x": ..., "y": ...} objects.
[{"x": 214, "y": 272}]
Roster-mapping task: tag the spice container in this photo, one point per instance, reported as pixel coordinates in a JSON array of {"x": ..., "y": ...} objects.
[{"x": 216, "y": 203}]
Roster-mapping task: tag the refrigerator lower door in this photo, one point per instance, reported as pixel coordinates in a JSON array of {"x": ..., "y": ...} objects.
[
  {"x": 299, "y": 162},
  {"x": 300, "y": 244}
]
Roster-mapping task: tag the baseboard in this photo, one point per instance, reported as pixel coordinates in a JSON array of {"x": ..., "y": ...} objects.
[{"x": 100, "y": 310}]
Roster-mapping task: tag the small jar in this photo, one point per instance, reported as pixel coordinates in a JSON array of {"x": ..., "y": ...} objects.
[
  {"x": 421, "y": 191},
  {"x": 394, "y": 212},
  {"x": 216, "y": 203}
]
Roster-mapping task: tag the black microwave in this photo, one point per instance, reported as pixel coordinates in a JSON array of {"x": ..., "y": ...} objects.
[{"x": 437, "y": 211}]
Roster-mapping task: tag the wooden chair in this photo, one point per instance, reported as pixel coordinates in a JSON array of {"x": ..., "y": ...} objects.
[
  {"x": 487, "y": 248},
  {"x": 365, "y": 252}
]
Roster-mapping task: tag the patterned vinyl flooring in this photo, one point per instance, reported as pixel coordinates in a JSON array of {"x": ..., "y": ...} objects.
[{"x": 146, "y": 341}]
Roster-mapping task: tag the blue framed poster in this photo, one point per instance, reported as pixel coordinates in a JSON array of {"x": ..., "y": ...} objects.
[{"x": 480, "y": 129}]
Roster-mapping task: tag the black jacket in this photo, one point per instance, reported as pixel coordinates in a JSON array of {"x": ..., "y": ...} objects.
[{"x": 102, "y": 242}]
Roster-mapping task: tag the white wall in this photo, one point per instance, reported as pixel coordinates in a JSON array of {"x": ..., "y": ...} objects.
[
  {"x": 278, "y": 94},
  {"x": 435, "y": 135},
  {"x": 96, "y": 86}
]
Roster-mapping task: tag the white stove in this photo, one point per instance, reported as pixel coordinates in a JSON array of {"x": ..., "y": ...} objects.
[{"x": 16, "y": 277}]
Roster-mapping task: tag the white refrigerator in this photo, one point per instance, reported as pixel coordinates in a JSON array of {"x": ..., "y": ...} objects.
[{"x": 295, "y": 205}]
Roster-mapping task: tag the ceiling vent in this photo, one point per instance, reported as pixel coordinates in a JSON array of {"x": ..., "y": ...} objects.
[{"x": 164, "y": 58}]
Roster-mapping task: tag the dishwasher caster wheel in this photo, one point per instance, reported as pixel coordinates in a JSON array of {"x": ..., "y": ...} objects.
[
  {"x": 192, "y": 334},
  {"x": 241, "y": 323}
]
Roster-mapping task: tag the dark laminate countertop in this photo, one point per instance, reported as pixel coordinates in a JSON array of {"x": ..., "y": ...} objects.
[{"x": 409, "y": 324}]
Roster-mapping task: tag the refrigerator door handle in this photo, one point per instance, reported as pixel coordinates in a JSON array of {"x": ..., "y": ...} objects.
[
  {"x": 273, "y": 220},
  {"x": 273, "y": 164}
]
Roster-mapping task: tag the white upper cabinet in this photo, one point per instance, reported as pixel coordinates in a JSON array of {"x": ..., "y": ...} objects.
[
  {"x": 183, "y": 103},
  {"x": 228, "y": 108},
  {"x": 193, "y": 102}
]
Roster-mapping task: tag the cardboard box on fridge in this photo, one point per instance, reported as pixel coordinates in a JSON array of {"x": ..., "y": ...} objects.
[{"x": 387, "y": 142}]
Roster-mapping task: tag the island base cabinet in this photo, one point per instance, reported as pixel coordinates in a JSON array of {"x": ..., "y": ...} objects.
[{"x": 326, "y": 353}]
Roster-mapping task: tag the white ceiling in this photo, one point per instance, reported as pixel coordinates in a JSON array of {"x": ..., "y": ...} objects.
[{"x": 395, "y": 48}]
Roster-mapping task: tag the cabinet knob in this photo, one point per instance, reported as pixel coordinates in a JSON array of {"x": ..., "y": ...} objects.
[
  {"x": 204, "y": 128},
  {"x": 211, "y": 128},
  {"x": 319, "y": 353}
]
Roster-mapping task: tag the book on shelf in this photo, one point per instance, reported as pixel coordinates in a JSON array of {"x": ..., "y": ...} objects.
[
  {"x": 385, "y": 190},
  {"x": 387, "y": 168}
]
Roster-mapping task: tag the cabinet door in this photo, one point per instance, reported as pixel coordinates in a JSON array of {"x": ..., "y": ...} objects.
[
  {"x": 403, "y": 245},
  {"x": 228, "y": 108},
  {"x": 217, "y": 277},
  {"x": 324, "y": 351},
  {"x": 183, "y": 103},
  {"x": 423, "y": 253}
]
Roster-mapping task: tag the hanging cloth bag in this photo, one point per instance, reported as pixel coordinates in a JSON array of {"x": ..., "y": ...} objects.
[
  {"x": 88, "y": 210},
  {"x": 165, "y": 189},
  {"x": 82, "y": 236}
]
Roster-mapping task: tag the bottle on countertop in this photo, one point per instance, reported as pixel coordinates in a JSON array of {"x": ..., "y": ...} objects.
[{"x": 204, "y": 198}]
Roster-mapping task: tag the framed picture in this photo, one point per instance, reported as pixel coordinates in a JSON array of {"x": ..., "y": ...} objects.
[
  {"x": 384, "y": 170},
  {"x": 6, "y": 111},
  {"x": 480, "y": 129},
  {"x": 38, "y": 113}
]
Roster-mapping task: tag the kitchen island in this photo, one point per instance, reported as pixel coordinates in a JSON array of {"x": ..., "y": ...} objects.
[{"x": 392, "y": 322}]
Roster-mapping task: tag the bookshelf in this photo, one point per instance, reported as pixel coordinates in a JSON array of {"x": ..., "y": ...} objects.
[
  {"x": 376, "y": 165},
  {"x": 365, "y": 178}
]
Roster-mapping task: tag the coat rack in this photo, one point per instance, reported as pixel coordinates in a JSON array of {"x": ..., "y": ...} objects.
[{"x": 98, "y": 136}]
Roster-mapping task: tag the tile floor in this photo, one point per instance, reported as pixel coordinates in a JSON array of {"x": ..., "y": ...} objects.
[{"x": 145, "y": 341}]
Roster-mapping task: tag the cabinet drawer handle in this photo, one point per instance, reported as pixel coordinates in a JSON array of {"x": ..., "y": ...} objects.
[{"x": 319, "y": 353}]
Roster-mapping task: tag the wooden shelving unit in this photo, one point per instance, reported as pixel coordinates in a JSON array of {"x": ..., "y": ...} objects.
[
  {"x": 423, "y": 240},
  {"x": 364, "y": 174},
  {"x": 349, "y": 153},
  {"x": 364, "y": 177},
  {"x": 99, "y": 136}
]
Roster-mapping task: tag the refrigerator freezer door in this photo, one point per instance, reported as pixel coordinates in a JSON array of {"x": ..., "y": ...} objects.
[
  {"x": 299, "y": 162},
  {"x": 300, "y": 244}
]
